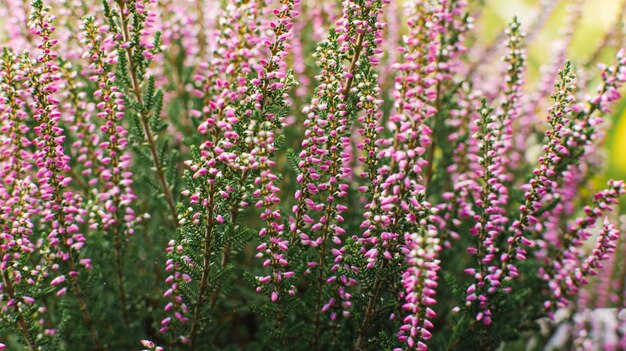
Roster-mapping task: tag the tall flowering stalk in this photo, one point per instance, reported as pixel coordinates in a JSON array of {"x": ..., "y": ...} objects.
[
  {"x": 567, "y": 270},
  {"x": 345, "y": 59},
  {"x": 489, "y": 220},
  {"x": 206, "y": 185},
  {"x": 510, "y": 106},
  {"x": 19, "y": 196},
  {"x": 399, "y": 219},
  {"x": 222, "y": 83},
  {"x": 133, "y": 42},
  {"x": 269, "y": 93},
  {"x": 494, "y": 141},
  {"x": 60, "y": 208},
  {"x": 114, "y": 175},
  {"x": 231, "y": 150},
  {"x": 322, "y": 156},
  {"x": 419, "y": 280},
  {"x": 543, "y": 180}
]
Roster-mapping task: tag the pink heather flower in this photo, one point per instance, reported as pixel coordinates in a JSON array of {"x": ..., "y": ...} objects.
[
  {"x": 58, "y": 280},
  {"x": 566, "y": 270},
  {"x": 261, "y": 144},
  {"x": 490, "y": 220},
  {"x": 60, "y": 208},
  {"x": 115, "y": 178},
  {"x": 544, "y": 176},
  {"x": 419, "y": 281},
  {"x": 325, "y": 156},
  {"x": 397, "y": 194},
  {"x": 494, "y": 140},
  {"x": 147, "y": 343}
]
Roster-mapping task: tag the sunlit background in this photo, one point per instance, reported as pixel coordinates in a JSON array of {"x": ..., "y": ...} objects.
[{"x": 598, "y": 16}]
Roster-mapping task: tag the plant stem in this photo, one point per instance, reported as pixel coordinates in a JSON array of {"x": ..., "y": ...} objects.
[
  {"x": 205, "y": 272},
  {"x": 329, "y": 207},
  {"x": 429, "y": 169},
  {"x": 359, "y": 345},
  {"x": 484, "y": 339},
  {"x": 82, "y": 305},
  {"x": 119, "y": 274},
  {"x": 234, "y": 213},
  {"x": 320, "y": 288},
  {"x": 21, "y": 322},
  {"x": 136, "y": 89}
]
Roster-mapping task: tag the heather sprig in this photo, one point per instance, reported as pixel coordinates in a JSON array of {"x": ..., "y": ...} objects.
[
  {"x": 344, "y": 88},
  {"x": 398, "y": 210},
  {"x": 241, "y": 143},
  {"x": 136, "y": 50},
  {"x": 543, "y": 177},
  {"x": 511, "y": 103},
  {"x": 322, "y": 165},
  {"x": 494, "y": 141},
  {"x": 115, "y": 195},
  {"x": 322, "y": 157},
  {"x": 221, "y": 82},
  {"x": 419, "y": 280},
  {"x": 491, "y": 217},
  {"x": 268, "y": 99},
  {"x": 19, "y": 207},
  {"x": 604, "y": 247},
  {"x": 584, "y": 129},
  {"x": 566, "y": 270},
  {"x": 207, "y": 189},
  {"x": 60, "y": 208}
]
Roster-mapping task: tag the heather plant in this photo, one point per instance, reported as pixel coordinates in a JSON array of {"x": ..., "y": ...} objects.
[{"x": 305, "y": 175}]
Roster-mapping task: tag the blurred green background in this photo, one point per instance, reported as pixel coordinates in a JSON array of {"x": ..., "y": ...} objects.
[{"x": 598, "y": 17}]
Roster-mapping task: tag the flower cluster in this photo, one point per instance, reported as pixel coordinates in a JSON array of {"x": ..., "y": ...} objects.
[{"x": 346, "y": 87}]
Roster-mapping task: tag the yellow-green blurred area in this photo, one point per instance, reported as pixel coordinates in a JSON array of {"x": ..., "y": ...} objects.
[{"x": 598, "y": 17}]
